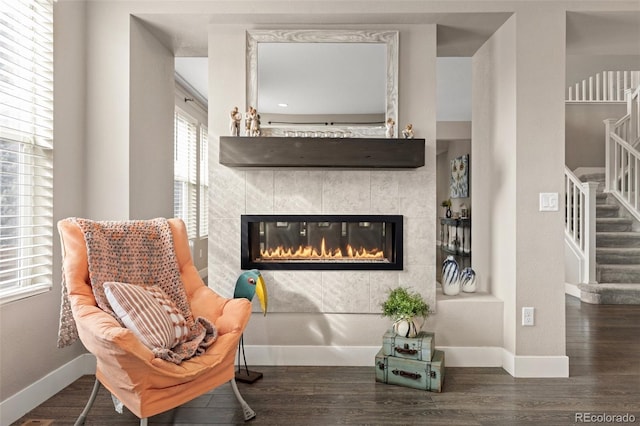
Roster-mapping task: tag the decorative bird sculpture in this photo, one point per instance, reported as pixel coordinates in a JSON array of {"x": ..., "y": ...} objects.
[{"x": 249, "y": 284}]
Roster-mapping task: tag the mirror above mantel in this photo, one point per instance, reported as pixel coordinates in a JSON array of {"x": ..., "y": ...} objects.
[{"x": 282, "y": 64}]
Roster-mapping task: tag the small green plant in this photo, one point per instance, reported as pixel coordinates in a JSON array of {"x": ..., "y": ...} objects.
[
  {"x": 402, "y": 304},
  {"x": 446, "y": 203}
]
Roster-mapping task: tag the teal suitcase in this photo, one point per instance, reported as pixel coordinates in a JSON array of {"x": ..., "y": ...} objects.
[
  {"x": 419, "y": 348},
  {"x": 423, "y": 375}
]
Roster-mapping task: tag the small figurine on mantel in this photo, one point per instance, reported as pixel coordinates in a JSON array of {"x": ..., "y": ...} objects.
[
  {"x": 408, "y": 131},
  {"x": 390, "y": 127},
  {"x": 234, "y": 123},
  {"x": 254, "y": 126},
  {"x": 247, "y": 121}
]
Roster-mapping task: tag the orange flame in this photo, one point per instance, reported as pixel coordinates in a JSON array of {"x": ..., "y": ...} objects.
[{"x": 311, "y": 253}]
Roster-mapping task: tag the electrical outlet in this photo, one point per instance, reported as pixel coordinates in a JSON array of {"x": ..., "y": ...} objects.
[{"x": 527, "y": 316}]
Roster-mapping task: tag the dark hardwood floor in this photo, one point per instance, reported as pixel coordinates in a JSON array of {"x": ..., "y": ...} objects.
[{"x": 603, "y": 343}]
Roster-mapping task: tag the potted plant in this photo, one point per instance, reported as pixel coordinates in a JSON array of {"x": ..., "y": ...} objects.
[{"x": 405, "y": 308}]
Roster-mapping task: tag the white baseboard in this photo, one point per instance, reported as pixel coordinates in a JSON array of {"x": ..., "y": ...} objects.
[
  {"x": 535, "y": 366},
  {"x": 16, "y": 406},
  {"x": 463, "y": 356},
  {"x": 359, "y": 356},
  {"x": 203, "y": 273},
  {"x": 572, "y": 290},
  {"x": 352, "y": 356},
  {"x": 455, "y": 356}
]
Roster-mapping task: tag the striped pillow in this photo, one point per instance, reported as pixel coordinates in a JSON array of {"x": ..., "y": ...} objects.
[{"x": 149, "y": 313}]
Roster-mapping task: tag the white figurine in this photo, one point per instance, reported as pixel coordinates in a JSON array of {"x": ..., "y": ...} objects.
[
  {"x": 234, "y": 123},
  {"x": 390, "y": 127},
  {"x": 408, "y": 132},
  {"x": 254, "y": 126},
  {"x": 247, "y": 121}
]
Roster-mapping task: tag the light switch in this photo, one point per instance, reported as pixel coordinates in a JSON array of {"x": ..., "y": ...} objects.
[{"x": 549, "y": 202}]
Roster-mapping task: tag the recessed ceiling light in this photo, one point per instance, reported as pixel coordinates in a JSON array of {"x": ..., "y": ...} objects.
[{"x": 283, "y": 105}]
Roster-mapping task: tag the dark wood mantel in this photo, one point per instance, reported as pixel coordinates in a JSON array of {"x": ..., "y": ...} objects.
[{"x": 372, "y": 153}]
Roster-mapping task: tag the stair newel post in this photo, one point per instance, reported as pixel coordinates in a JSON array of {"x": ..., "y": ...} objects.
[
  {"x": 608, "y": 154},
  {"x": 589, "y": 225}
]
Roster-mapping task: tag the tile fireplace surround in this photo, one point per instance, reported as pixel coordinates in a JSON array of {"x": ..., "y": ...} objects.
[
  {"x": 239, "y": 192},
  {"x": 312, "y": 191}
]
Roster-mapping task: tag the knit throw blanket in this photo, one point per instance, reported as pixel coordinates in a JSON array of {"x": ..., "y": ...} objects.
[{"x": 136, "y": 252}]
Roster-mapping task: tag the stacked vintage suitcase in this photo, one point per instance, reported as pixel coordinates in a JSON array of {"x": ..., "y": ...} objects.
[{"x": 412, "y": 362}]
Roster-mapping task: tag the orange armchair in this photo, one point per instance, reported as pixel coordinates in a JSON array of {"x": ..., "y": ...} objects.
[{"x": 147, "y": 385}]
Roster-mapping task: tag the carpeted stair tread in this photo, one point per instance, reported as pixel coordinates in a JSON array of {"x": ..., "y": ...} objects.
[
  {"x": 613, "y": 224},
  {"x": 618, "y": 255},
  {"x": 607, "y": 210},
  {"x": 601, "y": 198},
  {"x": 610, "y": 293},
  {"x": 618, "y": 239},
  {"x": 618, "y": 273}
]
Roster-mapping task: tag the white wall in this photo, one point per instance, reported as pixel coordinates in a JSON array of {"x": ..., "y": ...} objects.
[
  {"x": 522, "y": 251},
  {"x": 454, "y": 89},
  {"x": 584, "y": 132},
  {"x": 518, "y": 151},
  {"x": 322, "y": 295},
  {"x": 107, "y": 124},
  {"x": 29, "y": 327},
  {"x": 580, "y": 67},
  {"x": 151, "y": 117},
  {"x": 493, "y": 177},
  {"x": 540, "y": 168}
]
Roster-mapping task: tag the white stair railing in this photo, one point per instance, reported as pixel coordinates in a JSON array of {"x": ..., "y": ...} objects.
[
  {"x": 622, "y": 158},
  {"x": 607, "y": 86},
  {"x": 580, "y": 223}
]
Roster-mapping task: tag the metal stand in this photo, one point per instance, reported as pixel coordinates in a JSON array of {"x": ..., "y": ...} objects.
[
  {"x": 248, "y": 412},
  {"x": 246, "y": 375},
  {"x": 92, "y": 398}
]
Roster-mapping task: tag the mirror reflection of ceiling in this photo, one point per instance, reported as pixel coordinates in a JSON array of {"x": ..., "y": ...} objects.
[
  {"x": 453, "y": 86},
  {"x": 339, "y": 78}
]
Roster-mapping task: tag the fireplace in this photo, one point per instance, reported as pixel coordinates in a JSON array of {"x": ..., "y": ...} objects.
[{"x": 321, "y": 242}]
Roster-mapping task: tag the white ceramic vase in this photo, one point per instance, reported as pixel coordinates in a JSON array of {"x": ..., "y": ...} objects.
[
  {"x": 450, "y": 276},
  {"x": 468, "y": 280},
  {"x": 406, "y": 327}
]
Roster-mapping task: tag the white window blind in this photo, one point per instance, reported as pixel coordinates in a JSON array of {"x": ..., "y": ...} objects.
[
  {"x": 26, "y": 147},
  {"x": 204, "y": 182},
  {"x": 185, "y": 189}
]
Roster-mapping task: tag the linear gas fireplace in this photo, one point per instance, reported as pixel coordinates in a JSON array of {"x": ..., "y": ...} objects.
[{"x": 329, "y": 242}]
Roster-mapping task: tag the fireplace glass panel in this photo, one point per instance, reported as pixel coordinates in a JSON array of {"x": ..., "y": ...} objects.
[{"x": 322, "y": 242}]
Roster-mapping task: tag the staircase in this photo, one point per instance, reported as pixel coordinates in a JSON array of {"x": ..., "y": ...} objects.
[{"x": 617, "y": 252}]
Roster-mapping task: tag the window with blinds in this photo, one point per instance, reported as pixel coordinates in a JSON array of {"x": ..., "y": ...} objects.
[
  {"x": 190, "y": 183},
  {"x": 26, "y": 147},
  {"x": 204, "y": 183}
]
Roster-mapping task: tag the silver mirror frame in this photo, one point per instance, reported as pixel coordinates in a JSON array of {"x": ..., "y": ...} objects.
[{"x": 390, "y": 38}]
